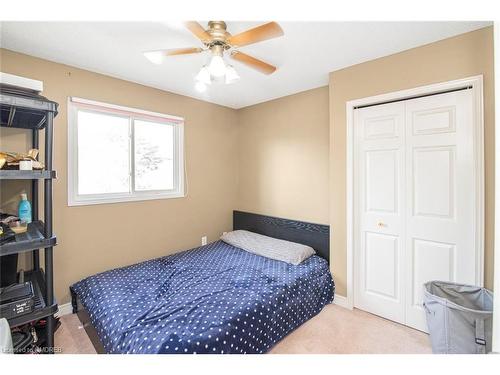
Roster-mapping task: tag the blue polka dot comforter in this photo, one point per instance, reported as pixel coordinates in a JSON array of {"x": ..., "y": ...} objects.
[{"x": 213, "y": 299}]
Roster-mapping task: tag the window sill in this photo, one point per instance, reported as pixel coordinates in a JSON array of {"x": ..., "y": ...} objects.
[{"x": 123, "y": 199}]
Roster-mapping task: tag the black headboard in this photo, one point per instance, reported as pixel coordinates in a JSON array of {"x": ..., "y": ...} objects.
[{"x": 315, "y": 235}]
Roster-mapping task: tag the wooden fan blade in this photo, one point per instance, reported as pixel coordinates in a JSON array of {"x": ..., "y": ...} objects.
[
  {"x": 198, "y": 31},
  {"x": 254, "y": 63},
  {"x": 181, "y": 51},
  {"x": 258, "y": 34}
]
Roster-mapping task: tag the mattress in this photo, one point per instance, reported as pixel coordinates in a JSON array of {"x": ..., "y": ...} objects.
[{"x": 213, "y": 299}]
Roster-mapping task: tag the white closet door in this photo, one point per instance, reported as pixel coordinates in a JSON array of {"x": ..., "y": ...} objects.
[
  {"x": 414, "y": 207},
  {"x": 380, "y": 207},
  {"x": 440, "y": 195}
]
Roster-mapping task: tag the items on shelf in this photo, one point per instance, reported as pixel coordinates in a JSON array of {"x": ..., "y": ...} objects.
[
  {"x": 30, "y": 338},
  {"x": 17, "y": 299},
  {"x": 28, "y": 161},
  {"x": 18, "y": 227},
  {"x": 6, "y": 234},
  {"x": 7, "y": 218},
  {"x": 24, "y": 209},
  {"x": 26, "y": 165},
  {"x": 11, "y": 225}
]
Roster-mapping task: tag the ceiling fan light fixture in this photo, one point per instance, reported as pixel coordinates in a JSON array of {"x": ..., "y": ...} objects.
[
  {"x": 217, "y": 66},
  {"x": 217, "y": 41},
  {"x": 204, "y": 76},
  {"x": 231, "y": 74},
  {"x": 156, "y": 57}
]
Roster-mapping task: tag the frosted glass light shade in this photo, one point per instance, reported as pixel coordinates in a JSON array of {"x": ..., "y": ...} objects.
[
  {"x": 204, "y": 76},
  {"x": 217, "y": 67},
  {"x": 231, "y": 75}
]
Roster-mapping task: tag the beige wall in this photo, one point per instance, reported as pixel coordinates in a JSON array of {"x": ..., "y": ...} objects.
[
  {"x": 458, "y": 57},
  {"x": 283, "y": 152},
  {"x": 86, "y": 244}
]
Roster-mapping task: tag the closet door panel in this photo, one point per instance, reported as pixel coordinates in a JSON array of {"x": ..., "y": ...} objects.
[
  {"x": 440, "y": 194},
  {"x": 379, "y": 253},
  {"x": 434, "y": 182}
]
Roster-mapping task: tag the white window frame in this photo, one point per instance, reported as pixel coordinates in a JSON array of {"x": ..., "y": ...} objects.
[{"x": 74, "y": 199}]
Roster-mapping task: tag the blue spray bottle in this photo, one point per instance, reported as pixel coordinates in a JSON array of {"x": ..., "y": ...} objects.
[{"x": 24, "y": 209}]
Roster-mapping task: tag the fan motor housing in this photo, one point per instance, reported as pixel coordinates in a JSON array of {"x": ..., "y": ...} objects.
[{"x": 218, "y": 32}]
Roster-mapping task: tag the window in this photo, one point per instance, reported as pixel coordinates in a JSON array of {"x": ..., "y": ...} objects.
[{"x": 119, "y": 154}]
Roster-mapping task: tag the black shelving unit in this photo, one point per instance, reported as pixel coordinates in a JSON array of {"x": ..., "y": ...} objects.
[
  {"x": 42, "y": 309},
  {"x": 30, "y": 111},
  {"x": 26, "y": 175},
  {"x": 33, "y": 239}
]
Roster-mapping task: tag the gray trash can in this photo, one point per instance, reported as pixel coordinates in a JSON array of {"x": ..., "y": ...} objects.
[{"x": 459, "y": 317}]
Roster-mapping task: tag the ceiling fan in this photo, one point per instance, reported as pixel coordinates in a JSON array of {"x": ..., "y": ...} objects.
[{"x": 218, "y": 40}]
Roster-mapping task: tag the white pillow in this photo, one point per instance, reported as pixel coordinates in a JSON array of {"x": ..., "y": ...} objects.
[{"x": 286, "y": 251}]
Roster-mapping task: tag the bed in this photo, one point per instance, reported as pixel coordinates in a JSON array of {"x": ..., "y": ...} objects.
[{"x": 213, "y": 299}]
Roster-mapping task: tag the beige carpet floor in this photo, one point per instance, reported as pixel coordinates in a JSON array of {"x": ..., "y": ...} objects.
[{"x": 333, "y": 331}]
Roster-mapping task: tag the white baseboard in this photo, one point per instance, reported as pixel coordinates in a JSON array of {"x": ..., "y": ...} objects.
[
  {"x": 66, "y": 309},
  {"x": 341, "y": 301}
]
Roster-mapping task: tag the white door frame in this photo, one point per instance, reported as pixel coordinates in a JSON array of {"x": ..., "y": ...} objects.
[
  {"x": 496, "y": 266},
  {"x": 476, "y": 84}
]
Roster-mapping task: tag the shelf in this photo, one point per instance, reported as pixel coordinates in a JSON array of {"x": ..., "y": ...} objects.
[
  {"x": 41, "y": 311},
  {"x": 32, "y": 239},
  {"x": 24, "y": 110},
  {"x": 14, "y": 174}
]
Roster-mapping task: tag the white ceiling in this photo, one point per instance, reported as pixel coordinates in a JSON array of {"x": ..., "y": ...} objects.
[{"x": 304, "y": 55}]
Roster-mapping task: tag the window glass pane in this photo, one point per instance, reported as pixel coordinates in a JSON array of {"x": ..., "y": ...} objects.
[
  {"x": 103, "y": 153},
  {"x": 154, "y": 156}
]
